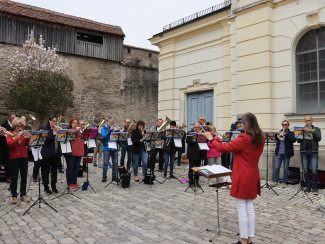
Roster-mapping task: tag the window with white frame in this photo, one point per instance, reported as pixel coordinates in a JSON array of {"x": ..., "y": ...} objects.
[{"x": 310, "y": 68}]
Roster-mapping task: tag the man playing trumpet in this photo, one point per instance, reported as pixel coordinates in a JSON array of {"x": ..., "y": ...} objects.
[{"x": 283, "y": 151}]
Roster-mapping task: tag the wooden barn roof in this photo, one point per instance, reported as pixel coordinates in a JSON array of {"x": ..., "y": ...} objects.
[{"x": 42, "y": 14}]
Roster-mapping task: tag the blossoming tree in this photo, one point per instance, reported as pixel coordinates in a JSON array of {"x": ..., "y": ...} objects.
[{"x": 38, "y": 80}]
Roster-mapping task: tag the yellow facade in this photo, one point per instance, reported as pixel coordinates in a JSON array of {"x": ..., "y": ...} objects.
[{"x": 246, "y": 55}]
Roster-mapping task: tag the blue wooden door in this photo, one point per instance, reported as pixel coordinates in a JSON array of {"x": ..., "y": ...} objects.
[{"x": 198, "y": 104}]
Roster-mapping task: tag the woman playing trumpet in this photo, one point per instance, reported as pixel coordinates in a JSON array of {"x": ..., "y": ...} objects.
[{"x": 17, "y": 144}]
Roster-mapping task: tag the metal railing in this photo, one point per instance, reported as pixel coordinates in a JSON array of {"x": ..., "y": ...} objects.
[{"x": 197, "y": 15}]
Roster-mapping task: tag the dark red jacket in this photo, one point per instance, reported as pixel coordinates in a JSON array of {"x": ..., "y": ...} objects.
[
  {"x": 18, "y": 150},
  {"x": 245, "y": 175}
]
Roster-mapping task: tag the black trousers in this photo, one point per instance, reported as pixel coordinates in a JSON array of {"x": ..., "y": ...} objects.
[
  {"x": 161, "y": 158},
  {"x": 191, "y": 175},
  {"x": 19, "y": 165},
  {"x": 50, "y": 165}
]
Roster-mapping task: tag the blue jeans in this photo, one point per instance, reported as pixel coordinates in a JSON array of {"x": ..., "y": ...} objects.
[
  {"x": 126, "y": 149},
  {"x": 169, "y": 157},
  {"x": 310, "y": 159},
  {"x": 73, "y": 163},
  {"x": 278, "y": 162},
  {"x": 107, "y": 155},
  {"x": 136, "y": 158}
]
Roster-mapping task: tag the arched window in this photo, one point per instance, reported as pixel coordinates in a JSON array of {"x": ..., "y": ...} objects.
[{"x": 310, "y": 66}]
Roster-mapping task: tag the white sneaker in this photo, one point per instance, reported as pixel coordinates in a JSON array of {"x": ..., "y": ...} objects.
[
  {"x": 274, "y": 184},
  {"x": 284, "y": 185}
]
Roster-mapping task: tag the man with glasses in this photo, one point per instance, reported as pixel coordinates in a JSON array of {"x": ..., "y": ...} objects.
[
  {"x": 283, "y": 151},
  {"x": 125, "y": 148},
  {"x": 309, "y": 156}
]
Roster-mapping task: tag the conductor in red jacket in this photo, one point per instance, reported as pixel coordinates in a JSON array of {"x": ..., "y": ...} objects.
[
  {"x": 18, "y": 143},
  {"x": 247, "y": 149}
]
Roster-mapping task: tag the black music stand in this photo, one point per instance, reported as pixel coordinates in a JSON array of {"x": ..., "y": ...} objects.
[
  {"x": 149, "y": 137},
  {"x": 67, "y": 135},
  {"x": 117, "y": 137},
  {"x": 40, "y": 199},
  {"x": 269, "y": 138},
  {"x": 302, "y": 174},
  {"x": 172, "y": 134}
]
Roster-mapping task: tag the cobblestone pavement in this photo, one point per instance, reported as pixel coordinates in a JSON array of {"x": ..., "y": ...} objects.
[{"x": 163, "y": 213}]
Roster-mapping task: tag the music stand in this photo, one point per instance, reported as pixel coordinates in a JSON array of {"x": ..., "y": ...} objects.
[
  {"x": 117, "y": 137},
  {"x": 64, "y": 136},
  {"x": 40, "y": 199},
  {"x": 149, "y": 137},
  {"x": 302, "y": 173},
  {"x": 173, "y": 134},
  {"x": 269, "y": 138},
  {"x": 217, "y": 186}
]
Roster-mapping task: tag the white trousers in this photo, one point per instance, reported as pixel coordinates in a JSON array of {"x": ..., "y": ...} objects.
[{"x": 246, "y": 218}]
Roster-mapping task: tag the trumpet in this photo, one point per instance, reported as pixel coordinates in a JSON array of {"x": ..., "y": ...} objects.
[{"x": 3, "y": 132}]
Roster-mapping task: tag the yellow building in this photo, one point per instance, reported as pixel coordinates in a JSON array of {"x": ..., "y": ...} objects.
[{"x": 260, "y": 56}]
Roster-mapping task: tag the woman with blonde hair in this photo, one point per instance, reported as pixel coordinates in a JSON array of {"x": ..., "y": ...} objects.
[{"x": 18, "y": 143}]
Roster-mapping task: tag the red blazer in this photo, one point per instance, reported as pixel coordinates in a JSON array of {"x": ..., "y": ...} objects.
[
  {"x": 16, "y": 150},
  {"x": 245, "y": 175}
]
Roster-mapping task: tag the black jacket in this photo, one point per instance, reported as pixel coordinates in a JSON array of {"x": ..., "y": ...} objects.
[
  {"x": 135, "y": 138},
  {"x": 48, "y": 149},
  {"x": 3, "y": 150},
  {"x": 6, "y": 125},
  {"x": 193, "y": 149},
  {"x": 288, "y": 142}
]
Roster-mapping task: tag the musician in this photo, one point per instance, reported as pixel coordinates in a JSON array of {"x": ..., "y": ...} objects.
[
  {"x": 193, "y": 154},
  {"x": 125, "y": 147},
  {"x": 99, "y": 145},
  {"x": 283, "y": 151},
  {"x": 169, "y": 152},
  {"x": 5, "y": 149},
  {"x": 157, "y": 149},
  {"x": 237, "y": 125},
  {"x": 109, "y": 150},
  {"x": 18, "y": 144},
  {"x": 202, "y": 120},
  {"x": 247, "y": 148},
  {"x": 73, "y": 159},
  {"x": 7, "y": 124},
  {"x": 51, "y": 154},
  {"x": 138, "y": 150},
  {"x": 309, "y": 155}
]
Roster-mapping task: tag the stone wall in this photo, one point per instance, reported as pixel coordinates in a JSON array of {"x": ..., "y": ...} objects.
[{"x": 103, "y": 88}]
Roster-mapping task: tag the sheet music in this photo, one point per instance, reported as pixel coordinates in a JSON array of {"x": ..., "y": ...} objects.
[
  {"x": 112, "y": 144},
  {"x": 36, "y": 151},
  {"x": 159, "y": 146},
  {"x": 130, "y": 143},
  {"x": 216, "y": 169},
  {"x": 203, "y": 146},
  {"x": 235, "y": 134},
  {"x": 178, "y": 142},
  {"x": 66, "y": 147},
  {"x": 91, "y": 143}
]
